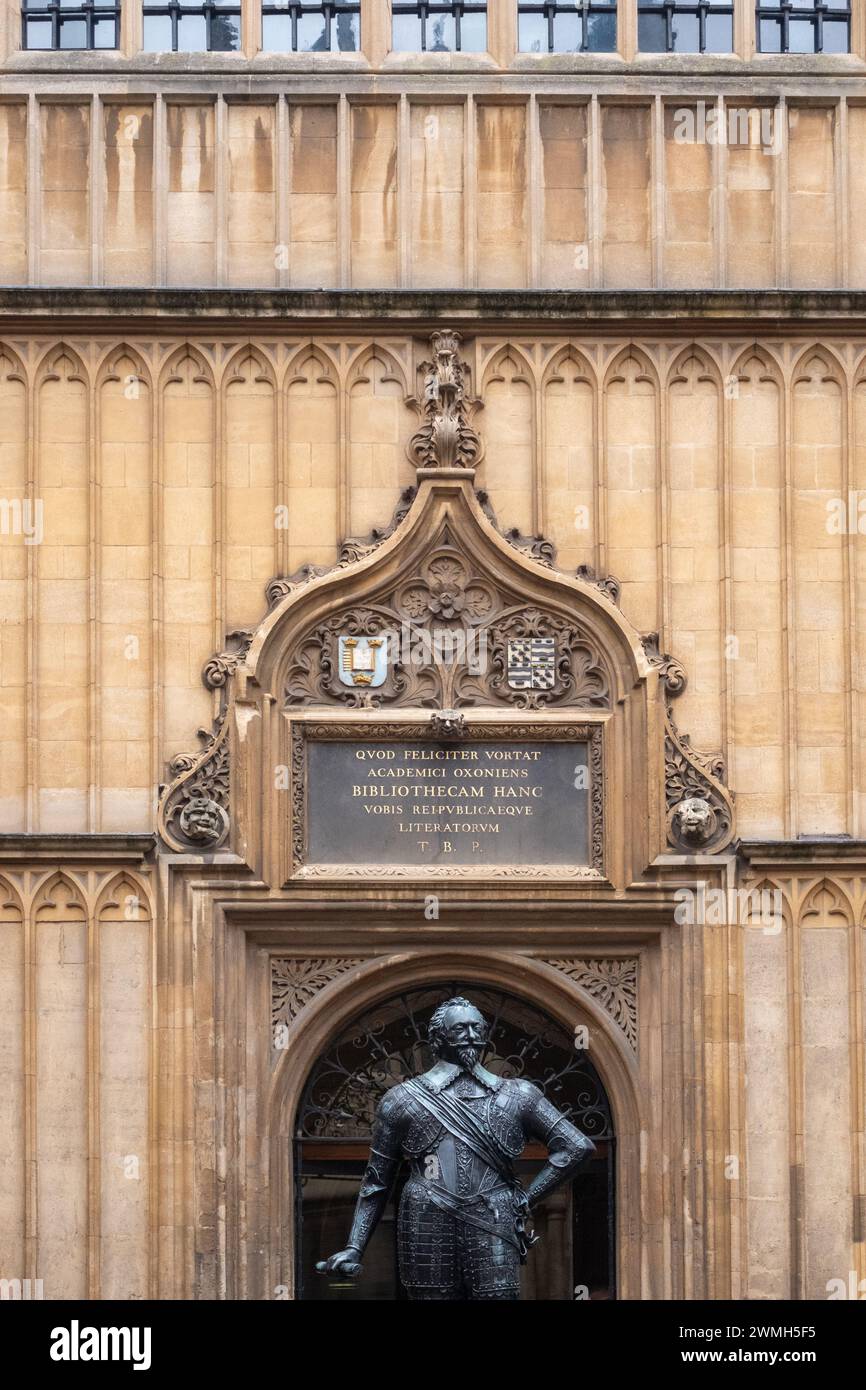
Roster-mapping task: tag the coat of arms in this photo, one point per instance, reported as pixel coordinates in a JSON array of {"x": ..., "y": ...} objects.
[
  {"x": 532, "y": 663},
  {"x": 363, "y": 660}
]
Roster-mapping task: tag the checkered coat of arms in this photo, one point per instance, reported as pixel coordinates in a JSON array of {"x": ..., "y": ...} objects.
[{"x": 532, "y": 663}]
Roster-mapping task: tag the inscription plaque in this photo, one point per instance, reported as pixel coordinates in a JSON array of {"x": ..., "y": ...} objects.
[{"x": 419, "y": 803}]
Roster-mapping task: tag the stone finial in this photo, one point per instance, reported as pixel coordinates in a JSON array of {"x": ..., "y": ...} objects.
[{"x": 446, "y": 439}]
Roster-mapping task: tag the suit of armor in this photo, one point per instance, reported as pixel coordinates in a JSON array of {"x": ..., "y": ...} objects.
[{"x": 460, "y": 1225}]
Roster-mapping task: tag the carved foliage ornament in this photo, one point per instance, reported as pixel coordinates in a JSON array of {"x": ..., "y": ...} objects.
[
  {"x": 194, "y": 808},
  {"x": 448, "y": 629},
  {"x": 296, "y": 980},
  {"x": 446, "y": 438},
  {"x": 613, "y": 983},
  {"x": 700, "y": 809}
]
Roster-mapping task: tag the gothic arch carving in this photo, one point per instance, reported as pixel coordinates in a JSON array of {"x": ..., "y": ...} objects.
[
  {"x": 450, "y": 599},
  {"x": 48, "y": 366},
  {"x": 826, "y": 901},
  {"x": 374, "y": 981},
  {"x": 758, "y": 358},
  {"x": 821, "y": 359},
  {"x": 233, "y": 368},
  {"x": 60, "y": 899},
  {"x": 108, "y": 366}
]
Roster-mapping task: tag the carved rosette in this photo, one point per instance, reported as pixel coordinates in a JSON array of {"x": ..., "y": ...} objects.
[
  {"x": 700, "y": 809},
  {"x": 613, "y": 983},
  {"x": 446, "y": 438}
]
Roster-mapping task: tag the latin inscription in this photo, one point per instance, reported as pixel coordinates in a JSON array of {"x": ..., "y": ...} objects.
[{"x": 472, "y": 803}]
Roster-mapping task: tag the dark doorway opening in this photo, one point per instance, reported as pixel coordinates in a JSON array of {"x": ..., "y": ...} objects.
[{"x": 575, "y": 1257}]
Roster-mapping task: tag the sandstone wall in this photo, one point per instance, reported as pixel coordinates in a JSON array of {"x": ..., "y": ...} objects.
[{"x": 543, "y": 190}]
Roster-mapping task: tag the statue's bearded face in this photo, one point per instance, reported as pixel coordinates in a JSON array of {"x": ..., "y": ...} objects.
[{"x": 462, "y": 1037}]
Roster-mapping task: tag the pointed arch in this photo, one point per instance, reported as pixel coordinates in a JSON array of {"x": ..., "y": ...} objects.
[
  {"x": 313, "y": 462},
  {"x": 191, "y": 537},
  {"x": 821, "y": 602},
  {"x": 827, "y": 904},
  {"x": 379, "y": 424},
  {"x": 569, "y": 458},
  {"x": 694, "y": 505},
  {"x": 64, "y": 768},
  {"x": 19, "y": 532},
  {"x": 60, "y": 361},
  {"x": 755, "y": 414},
  {"x": 236, "y": 370},
  {"x": 819, "y": 360},
  {"x": 510, "y": 469},
  {"x": 757, "y": 361},
  {"x": 633, "y": 524},
  {"x": 250, "y": 444},
  {"x": 352, "y": 992},
  {"x": 125, "y": 898},
  {"x": 59, "y": 899},
  {"x": 108, "y": 367}
]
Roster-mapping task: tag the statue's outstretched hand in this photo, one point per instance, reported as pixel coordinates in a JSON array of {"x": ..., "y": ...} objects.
[{"x": 346, "y": 1262}]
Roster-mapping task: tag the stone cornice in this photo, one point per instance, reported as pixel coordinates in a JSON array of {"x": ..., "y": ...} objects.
[
  {"x": 813, "y": 850},
  {"x": 76, "y": 847},
  {"x": 682, "y": 311}
]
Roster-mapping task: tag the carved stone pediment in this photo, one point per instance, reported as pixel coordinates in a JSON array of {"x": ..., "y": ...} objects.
[
  {"x": 444, "y": 611},
  {"x": 450, "y": 625}
]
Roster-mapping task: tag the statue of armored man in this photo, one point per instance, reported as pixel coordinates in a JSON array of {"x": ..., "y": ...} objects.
[{"x": 462, "y": 1226}]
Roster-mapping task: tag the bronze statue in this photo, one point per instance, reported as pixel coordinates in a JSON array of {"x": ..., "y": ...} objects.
[{"x": 462, "y": 1220}]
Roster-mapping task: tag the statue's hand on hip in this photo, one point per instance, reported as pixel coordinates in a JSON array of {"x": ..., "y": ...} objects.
[{"x": 345, "y": 1262}]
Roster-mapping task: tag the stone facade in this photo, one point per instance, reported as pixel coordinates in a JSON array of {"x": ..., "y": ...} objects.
[{"x": 220, "y": 275}]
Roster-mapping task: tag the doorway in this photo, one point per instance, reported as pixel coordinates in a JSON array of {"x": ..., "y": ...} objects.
[{"x": 575, "y": 1257}]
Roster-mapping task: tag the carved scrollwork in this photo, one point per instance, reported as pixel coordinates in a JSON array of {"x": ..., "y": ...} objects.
[
  {"x": 613, "y": 983},
  {"x": 224, "y": 664},
  {"x": 194, "y": 806},
  {"x": 446, "y": 438},
  {"x": 582, "y": 678},
  {"x": 353, "y": 549},
  {"x": 700, "y": 811},
  {"x": 672, "y": 671},
  {"x": 537, "y": 548},
  {"x": 448, "y": 630},
  {"x": 607, "y": 583}
]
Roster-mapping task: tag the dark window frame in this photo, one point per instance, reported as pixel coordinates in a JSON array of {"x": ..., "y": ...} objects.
[
  {"x": 175, "y": 10},
  {"x": 586, "y": 9},
  {"x": 423, "y": 10},
  {"x": 88, "y": 10},
  {"x": 329, "y": 11},
  {"x": 702, "y": 8},
  {"x": 817, "y": 13}
]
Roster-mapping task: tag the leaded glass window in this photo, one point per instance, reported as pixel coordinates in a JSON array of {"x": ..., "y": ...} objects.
[
  {"x": 803, "y": 26},
  {"x": 430, "y": 28},
  {"x": 332, "y": 27},
  {"x": 568, "y": 26},
  {"x": 211, "y": 27},
  {"x": 676, "y": 26},
  {"x": 69, "y": 24}
]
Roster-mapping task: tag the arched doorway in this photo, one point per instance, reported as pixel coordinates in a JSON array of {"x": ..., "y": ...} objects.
[{"x": 383, "y": 1046}]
